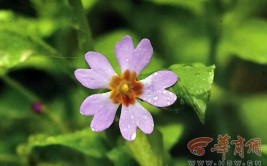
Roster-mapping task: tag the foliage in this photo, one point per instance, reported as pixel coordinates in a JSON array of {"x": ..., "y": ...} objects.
[{"x": 43, "y": 42}]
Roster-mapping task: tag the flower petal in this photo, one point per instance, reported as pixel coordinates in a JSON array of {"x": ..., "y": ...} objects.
[
  {"x": 143, "y": 118},
  {"x": 142, "y": 56},
  {"x": 154, "y": 88},
  {"x": 100, "y": 73},
  {"x": 102, "y": 108},
  {"x": 124, "y": 51},
  {"x": 134, "y": 116},
  {"x": 127, "y": 123},
  {"x": 133, "y": 59}
]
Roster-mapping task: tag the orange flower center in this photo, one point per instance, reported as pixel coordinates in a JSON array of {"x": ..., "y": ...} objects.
[{"x": 125, "y": 88}]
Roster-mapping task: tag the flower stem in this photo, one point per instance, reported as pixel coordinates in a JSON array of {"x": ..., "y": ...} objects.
[
  {"x": 147, "y": 150},
  {"x": 213, "y": 14},
  {"x": 33, "y": 98},
  {"x": 57, "y": 121},
  {"x": 81, "y": 25},
  {"x": 16, "y": 85}
]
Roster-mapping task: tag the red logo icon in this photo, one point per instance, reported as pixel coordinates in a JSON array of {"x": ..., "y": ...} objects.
[{"x": 197, "y": 145}]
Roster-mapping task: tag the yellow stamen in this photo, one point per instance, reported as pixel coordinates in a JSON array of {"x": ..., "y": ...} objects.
[{"x": 125, "y": 87}]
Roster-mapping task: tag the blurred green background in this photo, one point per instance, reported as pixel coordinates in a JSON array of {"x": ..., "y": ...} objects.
[{"x": 217, "y": 48}]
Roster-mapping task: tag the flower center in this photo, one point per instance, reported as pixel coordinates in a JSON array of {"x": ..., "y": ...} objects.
[{"x": 125, "y": 88}]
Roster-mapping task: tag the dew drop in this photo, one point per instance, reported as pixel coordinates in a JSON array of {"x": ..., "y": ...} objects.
[
  {"x": 168, "y": 103},
  {"x": 156, "y": 73},
  {"x": 156, "y": 98},
  {"x": 164, "y": 92},
  {"x": 133, "y": 136},
  {"x": 93, "y": 129}
]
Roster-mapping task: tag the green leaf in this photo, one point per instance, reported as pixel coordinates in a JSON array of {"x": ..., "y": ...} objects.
[
  {"x": 147, "y": 149},
  {"x": 17, "y": 114},
  {"x": 193, "y": 86},
  {"x": 22, "y": 51},
  {"x": 88, "y": 4},
  {"x": 9, "y": 160},
  {"x": 195, "y": 5},
  {"x": 16, "y": 49},
  {"x": 264, "y": 153},
  {"x": 253, "y": 113},
  {"x": 171, "y": 134},
  {"x": 57, "y": 10},
  {"x": 85, "y": 141},
  {"x": 247, "y": 41},
  {"x": 62, "y": 156},
  {"x": 173, "y": 29},
  {"x": 33, "y": 27},
  {"x": 120, "y": 157},
  {"x": 264, "y": 149}
]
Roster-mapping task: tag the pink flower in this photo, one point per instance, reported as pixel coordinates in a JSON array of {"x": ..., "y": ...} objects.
[{"x": 124, "y": 88}]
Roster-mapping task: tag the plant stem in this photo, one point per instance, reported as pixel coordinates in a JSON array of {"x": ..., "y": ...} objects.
[
  {"x": 81, "y": 25},
  {"x": 33, "y": 98},
  {"x": 147, "y": 150},
  {"x": 16, "y": 85},
  {"x": 214, "y": 14},
  {"x": 57, "y": 121}
]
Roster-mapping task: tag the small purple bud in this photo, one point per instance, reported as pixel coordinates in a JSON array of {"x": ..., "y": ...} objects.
[{"x": 37, "y": 107}]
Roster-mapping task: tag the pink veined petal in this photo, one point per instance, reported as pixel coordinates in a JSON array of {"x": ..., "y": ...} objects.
[
  {"x": 102, "y": 108},
  {"x": 134, "y": 116},
  {"x": 100, "y": 73},
  {"x": 154, "y": 88},
  {"x": 133, "y": 59}
]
